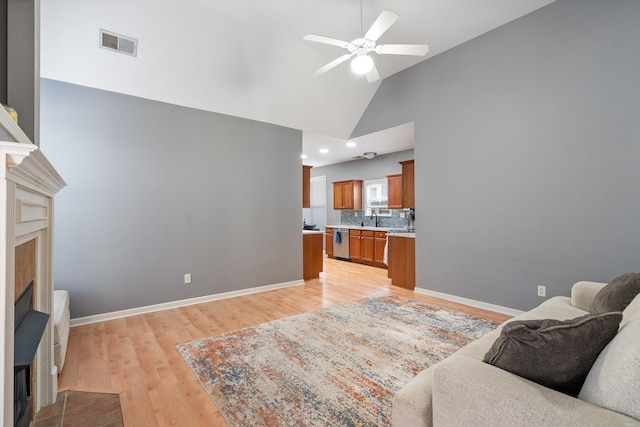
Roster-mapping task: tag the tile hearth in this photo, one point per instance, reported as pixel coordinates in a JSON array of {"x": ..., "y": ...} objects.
[{"x": 81, "y": 409}]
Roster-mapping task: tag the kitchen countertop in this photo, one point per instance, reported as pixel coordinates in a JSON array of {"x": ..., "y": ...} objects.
[
  {"x": 358, "y": 227},
  {"x": 312, "y": 232},
  {"x": 392, "y": 231},
  {"x": 407, "y": 234}
]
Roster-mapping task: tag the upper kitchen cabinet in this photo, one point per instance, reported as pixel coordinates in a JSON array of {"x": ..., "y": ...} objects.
[
  {"x": 347, "y": 194},
  {"x": 408, "y": 185},
  {"x": 306, "y": 186},
  {"x": 394, "y": 191}
]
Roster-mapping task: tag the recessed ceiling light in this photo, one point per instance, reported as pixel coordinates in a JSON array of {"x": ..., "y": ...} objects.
[
  {"x": 351, "y": 144},
  {"x": 304, "y": 156},
  {"x": 324, "y": 151}
]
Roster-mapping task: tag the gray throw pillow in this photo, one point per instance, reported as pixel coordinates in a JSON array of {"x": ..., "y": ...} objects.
[
  {"x": 554, "y": 353},
  {"x": 617, "y": 294}
]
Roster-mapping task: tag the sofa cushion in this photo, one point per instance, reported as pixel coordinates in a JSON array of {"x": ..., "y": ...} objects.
[
  {"x": 555, "y": 353},
  {"x": 632, "y": 310},
  {"x": 583, "y": 293},
  {"x": 617, "y": 295},
  {"x": 614, "y": 379}
]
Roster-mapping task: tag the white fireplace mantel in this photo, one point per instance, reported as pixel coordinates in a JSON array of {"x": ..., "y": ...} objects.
[{"x": 28, "y": 183}]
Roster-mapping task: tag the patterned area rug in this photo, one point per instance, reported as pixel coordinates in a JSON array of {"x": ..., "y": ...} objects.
[{"x": 338, "y": 366}]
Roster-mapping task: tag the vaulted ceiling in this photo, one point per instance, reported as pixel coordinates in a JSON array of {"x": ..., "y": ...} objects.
[{"x": 247, "y": 58}]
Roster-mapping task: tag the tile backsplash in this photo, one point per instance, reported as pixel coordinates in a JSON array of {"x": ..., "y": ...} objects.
[{"x": 348, "y": 217}]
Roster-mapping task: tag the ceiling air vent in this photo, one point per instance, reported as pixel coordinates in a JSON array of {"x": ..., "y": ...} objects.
[{"x": 118, "y": 43}]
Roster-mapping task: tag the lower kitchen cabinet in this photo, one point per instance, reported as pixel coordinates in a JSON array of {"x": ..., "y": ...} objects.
[
  {"x": 355, "y": 247},
  {"x": 328, "y": 241},
  {"x": 379, "y": 242},
  {"x": 366, "y": 245},
  {"x": 402, "y": 261}
]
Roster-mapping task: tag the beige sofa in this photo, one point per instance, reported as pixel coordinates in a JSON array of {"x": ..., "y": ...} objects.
[
  {"x": 61, "y": 323},
  {"x": 463, "y": 391}
]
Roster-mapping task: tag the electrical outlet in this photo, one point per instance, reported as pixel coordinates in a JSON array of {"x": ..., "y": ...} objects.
[
  {"x": 401, "y": 214},
  {"x": 356, "y": 214},
  {"x": 187, "y": 278},
  {"x": 542, "y": 291}
]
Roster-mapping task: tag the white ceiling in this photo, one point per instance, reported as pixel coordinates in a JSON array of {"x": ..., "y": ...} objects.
[
  {"x": 246, "y": 58},
  {"x": 386, "y": 141}
]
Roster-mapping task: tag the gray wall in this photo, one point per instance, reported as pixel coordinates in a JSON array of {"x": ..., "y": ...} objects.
[
  {"x": 23, "y": 64},
  {"x": 364, "y": 169},
  {"x": 527, "y": 146},
  {"x": 3, "y": 51},
  {"x": 157, "y": 190}
]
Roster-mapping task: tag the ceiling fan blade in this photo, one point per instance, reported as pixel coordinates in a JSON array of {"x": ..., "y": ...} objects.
[
  {"x": 332, "y": 64},
  {"x": 326, "y": 40},
  {"x": 402, "y": 49},
  {"x": 373, "y": 76},
  {"x": 381, "y": 24}
]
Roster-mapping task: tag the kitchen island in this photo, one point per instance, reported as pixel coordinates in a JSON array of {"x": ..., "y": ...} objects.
[
  {"x": 402, "y": 259},
  {"x": 311, "y": 254}
]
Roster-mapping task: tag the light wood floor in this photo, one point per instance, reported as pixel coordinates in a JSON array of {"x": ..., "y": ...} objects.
[{"x": 136, "y": 356}]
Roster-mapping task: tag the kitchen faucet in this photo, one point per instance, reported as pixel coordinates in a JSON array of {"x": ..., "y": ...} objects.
[{"x": 372, "y": 214}]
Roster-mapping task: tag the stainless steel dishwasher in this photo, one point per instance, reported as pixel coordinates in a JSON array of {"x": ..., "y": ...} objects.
[{"x": 341, "y": 243}]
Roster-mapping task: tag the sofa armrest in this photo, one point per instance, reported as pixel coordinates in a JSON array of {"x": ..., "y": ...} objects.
[
  {"x": 582, "y": 293},
  {"x": 468, "y": 392}
]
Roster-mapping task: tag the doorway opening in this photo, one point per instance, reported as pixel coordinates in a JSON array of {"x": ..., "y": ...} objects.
[{"x": 317, "y": 212}]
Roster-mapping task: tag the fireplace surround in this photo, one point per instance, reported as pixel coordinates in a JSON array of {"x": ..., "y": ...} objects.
[{"x": 28, "y": 184}]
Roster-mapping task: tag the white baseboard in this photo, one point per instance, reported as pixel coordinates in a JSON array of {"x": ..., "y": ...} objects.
[
  {"x": 80, "y": 321},
  {"x": 470, "y": 302}
]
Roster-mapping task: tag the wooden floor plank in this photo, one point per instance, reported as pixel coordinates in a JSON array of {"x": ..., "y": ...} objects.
[{"x": 136, "y": 356}]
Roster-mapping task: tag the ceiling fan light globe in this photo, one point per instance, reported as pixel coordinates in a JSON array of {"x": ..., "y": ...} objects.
[{"x": 361, "y": 64}]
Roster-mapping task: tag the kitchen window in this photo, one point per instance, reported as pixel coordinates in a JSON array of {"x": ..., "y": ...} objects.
[{"x": 375, "y": 198}]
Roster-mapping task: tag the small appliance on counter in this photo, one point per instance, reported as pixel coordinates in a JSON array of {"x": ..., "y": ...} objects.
[
  {"x": 411, "y": 217},
  {"x": 311, "y": 227}
]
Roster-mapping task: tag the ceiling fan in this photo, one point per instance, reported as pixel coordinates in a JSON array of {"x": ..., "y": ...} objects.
[{"x": 362, "y": 46}]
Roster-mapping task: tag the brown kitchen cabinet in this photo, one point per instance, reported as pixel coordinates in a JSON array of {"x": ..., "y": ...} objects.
[
  {"x": 402, "y": 261},
  {"x": 408, "y": 185},
  {"x": 306, "y": 186},
  {"x": 355, "y": 246},
  {"x": 394, "y": 191},
  {"x": 328, "y": 241},
  {"x": 379, "y": 242},
  {"x": 367, "y": 246},
  {"x": 347, "y": 194},
  {"x": 311, "y": 255}
]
